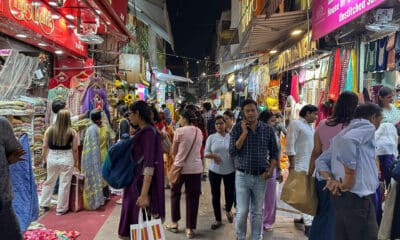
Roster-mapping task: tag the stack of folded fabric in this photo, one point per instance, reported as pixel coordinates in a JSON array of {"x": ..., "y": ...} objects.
[
  {"x": 10, "y": 108},
  {"x": 39, "y": 127}
]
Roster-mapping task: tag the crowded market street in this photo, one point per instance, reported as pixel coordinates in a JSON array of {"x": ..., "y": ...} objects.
[{"x": 200, "y": 119}]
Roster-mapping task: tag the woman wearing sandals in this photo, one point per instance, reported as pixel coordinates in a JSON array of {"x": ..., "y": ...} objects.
[
  {"x": 221, "y": 168},
  {"x": 186, "y": 153}
]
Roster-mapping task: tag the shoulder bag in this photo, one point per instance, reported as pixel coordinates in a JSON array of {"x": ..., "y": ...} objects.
[{"x": 175, "y": 172}]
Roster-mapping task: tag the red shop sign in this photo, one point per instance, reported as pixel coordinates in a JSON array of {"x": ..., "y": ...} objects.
[{"x": 37, "y": 17}]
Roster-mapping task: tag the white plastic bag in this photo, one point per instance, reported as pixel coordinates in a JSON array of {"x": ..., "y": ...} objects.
[{"x": 147, "y": 229}]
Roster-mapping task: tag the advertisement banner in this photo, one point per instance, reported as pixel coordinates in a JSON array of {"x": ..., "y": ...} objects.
[{"x": 329, "y": 15}]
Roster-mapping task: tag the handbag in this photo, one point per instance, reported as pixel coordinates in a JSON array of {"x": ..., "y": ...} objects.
[
  {"x": 147, "y": 229},
  {"x": 175, "y": 171},
  {"x": 299, "y": 192},
  {"x": 76, "y": 192},
  {"x": 166, "y": 143}
]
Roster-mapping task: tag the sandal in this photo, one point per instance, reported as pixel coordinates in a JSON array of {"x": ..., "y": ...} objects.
[
  {"x": 216, "y": 225},
  {"x": 229, "y": 216},
  {"x": 172, "y": 227},
  {"x": 189, "y": 233}
]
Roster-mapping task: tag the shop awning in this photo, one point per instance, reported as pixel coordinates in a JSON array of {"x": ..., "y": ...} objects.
[
  {"x": 265, "y": 33},
  {"x": 154, "y": 13},
  {"x": 236, "y": 65},
  {"x": 170, "y": 78}
]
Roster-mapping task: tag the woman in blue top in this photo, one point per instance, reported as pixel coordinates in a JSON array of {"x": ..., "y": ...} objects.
[{"x": 221, "y": 167}]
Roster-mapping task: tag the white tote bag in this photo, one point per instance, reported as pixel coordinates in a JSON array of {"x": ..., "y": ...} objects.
[{"x": 147, "y": 229}]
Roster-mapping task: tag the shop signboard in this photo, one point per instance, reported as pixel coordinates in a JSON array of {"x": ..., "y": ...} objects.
[
  {"x": 39, "y": 18},
  {"x": 121, "y": 8},
  {"x": 329, "y": 15}
]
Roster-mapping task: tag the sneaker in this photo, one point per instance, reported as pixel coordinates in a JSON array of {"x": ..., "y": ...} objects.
[
  {"x": 60, "y": 213},
  {"x": 119, "y": 201}
]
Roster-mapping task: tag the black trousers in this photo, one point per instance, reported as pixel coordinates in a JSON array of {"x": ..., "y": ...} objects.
[
  {"x": 354, "y": 217},
  {"x": 9, "y": 225},
  {"x": 229, "y": 187}
]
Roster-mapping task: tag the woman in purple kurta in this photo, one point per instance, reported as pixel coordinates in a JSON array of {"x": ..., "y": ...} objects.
[{"x": 147, "y": 188}]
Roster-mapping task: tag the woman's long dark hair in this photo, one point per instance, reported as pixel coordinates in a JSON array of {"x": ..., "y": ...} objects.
[
  {"x": 383, "y": 92},
  {"x": 156, "y": 116},
  {"x": 343, "y": 111},
  {"x": 143, "y": 109}
]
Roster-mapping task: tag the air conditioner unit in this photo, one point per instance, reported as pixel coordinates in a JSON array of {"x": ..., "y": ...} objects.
[{"x": 383, "y": 21}]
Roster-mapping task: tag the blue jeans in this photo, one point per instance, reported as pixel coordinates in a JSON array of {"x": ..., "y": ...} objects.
[
  {"x": 323, "y": 223},
  {"x": 250, "y": 191}
]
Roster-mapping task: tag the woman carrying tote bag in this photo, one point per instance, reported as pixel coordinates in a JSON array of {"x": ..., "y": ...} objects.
[{"x": 186, "y": 169}]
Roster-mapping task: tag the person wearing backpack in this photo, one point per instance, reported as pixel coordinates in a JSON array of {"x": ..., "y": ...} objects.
[{"x": 147, "y": 187}]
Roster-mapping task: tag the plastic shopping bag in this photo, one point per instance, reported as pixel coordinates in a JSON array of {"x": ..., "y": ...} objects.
[{"x": 147, "y": 229}]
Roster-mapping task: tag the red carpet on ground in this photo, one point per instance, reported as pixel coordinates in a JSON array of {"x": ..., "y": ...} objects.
[{"x": 88, "y": 223}]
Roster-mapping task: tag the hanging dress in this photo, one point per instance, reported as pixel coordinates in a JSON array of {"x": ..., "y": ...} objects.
[
  {"x": 370, "y": 63},
  {"x": 333, "y": 93},
  {"x": 381, "y": 59}
]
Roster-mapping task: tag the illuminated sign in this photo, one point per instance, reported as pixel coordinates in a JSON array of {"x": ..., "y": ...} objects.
[{"x": 23, "y": 10}]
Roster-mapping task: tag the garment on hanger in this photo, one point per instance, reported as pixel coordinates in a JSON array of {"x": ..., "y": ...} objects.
[
  {"x": 370, "y": 62},
  {"x": 75, "y": 97},
  {"x": 355, "y": 76},
  {"x": 80, "y": 79},
  {"x": 61, "y": 78},
  {"x": 96, "y": 97},
  {"x": 294, "y": 89},
  {"x": 345, "y": 60},
  {"x": 59, "y": 92},
  {"x": 333, "y": 93},
  {"x": 381, "y": 59},
  {"x": 349, "y": 77}
]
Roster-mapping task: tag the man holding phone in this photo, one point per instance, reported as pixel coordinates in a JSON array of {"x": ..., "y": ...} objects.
[{"x": 253, "y": 144}]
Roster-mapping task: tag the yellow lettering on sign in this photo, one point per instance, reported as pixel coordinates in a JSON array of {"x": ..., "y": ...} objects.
[{"x": 23, "y": 10}]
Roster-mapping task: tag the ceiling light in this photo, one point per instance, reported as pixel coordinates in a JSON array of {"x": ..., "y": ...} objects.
[
  {"x": 58, "y": 52},
  {"x": 42, "y": 44},
  {"x": 52, "y": 3},
  {"x": 108, "y": 23},
  {"x": 273, "y": 51},
  {"x": 98, "y": 11},
  {"x": 21, "y": 35},
  {"x": 70, "y": 17},
  {"x": 296, "y": 32},
  {"x": 71, "y": 26},
  {"x": 55, "y": 16},
  {"x": 36, "y": 4}
]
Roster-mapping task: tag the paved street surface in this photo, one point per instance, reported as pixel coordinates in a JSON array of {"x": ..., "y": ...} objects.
[{"x": 283, "y": 228}]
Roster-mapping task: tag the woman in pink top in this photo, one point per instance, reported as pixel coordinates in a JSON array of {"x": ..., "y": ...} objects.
[
  {"x": 187, "y": 156},
  {"x": 323, "y": 223}
]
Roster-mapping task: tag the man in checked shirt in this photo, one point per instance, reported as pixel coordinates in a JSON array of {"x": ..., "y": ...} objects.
[{"x": 253, "y": 145}]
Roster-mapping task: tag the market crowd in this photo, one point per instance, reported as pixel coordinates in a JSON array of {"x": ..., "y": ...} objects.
[{"x": 350, "y": 155}]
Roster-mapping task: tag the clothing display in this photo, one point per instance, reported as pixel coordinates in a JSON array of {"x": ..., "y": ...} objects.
[
  {"x": 381, "y": 59},
  {"x": 333, "y": 93},
  {"x": 95, "y": 97}
]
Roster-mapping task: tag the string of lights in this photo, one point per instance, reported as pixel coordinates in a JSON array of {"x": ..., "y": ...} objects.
[{"x": 198, "y": 60}]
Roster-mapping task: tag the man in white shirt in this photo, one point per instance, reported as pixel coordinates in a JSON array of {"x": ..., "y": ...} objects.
[
  {"x": 299, "y": 145},
  {"x": 57, "y": 105}
]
